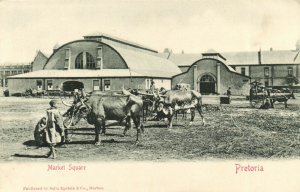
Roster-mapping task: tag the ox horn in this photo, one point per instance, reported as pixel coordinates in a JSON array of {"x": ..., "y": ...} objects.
[{"x": 66, "y": 104}]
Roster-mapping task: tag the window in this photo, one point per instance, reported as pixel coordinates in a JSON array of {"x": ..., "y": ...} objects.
[
  {"x": 7, "y": 73},
  {"x": 90, "y": 62},
  {"x": 39, "y": 83},
  {"x": 243, "y": 71},
  {"x": 14, "y": 72},
  {"x": 207, "y": 78},
  {"x": 67, "y": 59},
  {"x": 49, "y": 84},
  {"x": 96, "y": 85},
  {"x": 19, "y": 72},
  {"x": 266, "y": 70},
  {"x": 290, "y": 71},
  {"x": 79, "y": 61},
  {"x": 26, "y": 71},
  {"x": 106, "y": 85},
  {"x": 84, "y": 59},
  {"x": 99, "y": 58}
]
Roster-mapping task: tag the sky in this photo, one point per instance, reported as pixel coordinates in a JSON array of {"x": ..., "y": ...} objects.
[{"x": 182, "y": 25}]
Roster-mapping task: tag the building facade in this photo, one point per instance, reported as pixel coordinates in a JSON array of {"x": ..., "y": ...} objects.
[
  {"x": 7, "y": 70},
  {"x": 102, "y": 62},
  {"x": 98, "y": 62},
  {"x": 210, "y": 75}
]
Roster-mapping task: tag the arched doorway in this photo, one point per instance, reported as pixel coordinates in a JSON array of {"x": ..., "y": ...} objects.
[
  {"x": 71, "y": 85},
  {"x": 207, "y": 84}
]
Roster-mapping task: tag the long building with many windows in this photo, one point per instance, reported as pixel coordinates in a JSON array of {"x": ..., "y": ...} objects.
[{"x": 102, "y": 62}]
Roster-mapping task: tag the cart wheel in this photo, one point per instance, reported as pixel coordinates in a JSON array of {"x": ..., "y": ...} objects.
[
  {"x": 68, "y": 121},
  {"x": 257, "y": 103}
]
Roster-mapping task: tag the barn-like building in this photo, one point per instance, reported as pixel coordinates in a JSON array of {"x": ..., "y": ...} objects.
[{"x": 98, "y": 62}]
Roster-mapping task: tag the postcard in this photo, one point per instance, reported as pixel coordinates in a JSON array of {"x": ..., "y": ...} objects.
[{"x": 110, "y": 96}]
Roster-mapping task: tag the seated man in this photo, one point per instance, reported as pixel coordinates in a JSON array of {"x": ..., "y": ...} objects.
[
  {"x": 40, "y": 133},
  {"x": 266, "y": 105}
]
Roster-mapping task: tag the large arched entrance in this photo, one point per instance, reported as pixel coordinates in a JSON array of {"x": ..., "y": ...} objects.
[
  {"x": 71, "y": 85},
  {"x": 207, "y": 84}
]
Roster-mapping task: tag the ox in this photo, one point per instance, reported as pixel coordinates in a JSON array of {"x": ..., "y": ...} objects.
[
  {"x": 174, "y": 100},
  {"x": 281, "y": 97},
  {"x": 101, "y": 107}
]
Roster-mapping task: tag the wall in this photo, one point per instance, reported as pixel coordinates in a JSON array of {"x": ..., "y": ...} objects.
[
  {"x": 239, "y": 69},
  {"x": 165, "y": 83},
  {"x": 240, "y": 85},
  {"x": 277, "y": 74},
  {"x": 110, "y": 59},
  {"x": 20, "y": 85},
  {"x": 187, "y": 77}
]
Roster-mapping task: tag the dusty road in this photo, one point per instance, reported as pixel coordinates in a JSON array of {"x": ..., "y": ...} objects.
[{"x": 232, "y": 132}]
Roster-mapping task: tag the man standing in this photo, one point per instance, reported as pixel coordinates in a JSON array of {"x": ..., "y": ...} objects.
[
  {"x": 229, "y": 94},
  {"x": 54, "y": 124}
]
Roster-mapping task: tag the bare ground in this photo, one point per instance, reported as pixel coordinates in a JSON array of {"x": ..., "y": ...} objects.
[{"x": 233, "y": 131}]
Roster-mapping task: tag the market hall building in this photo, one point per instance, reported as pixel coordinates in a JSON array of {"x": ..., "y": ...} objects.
[
  {"x": 272, "y": 68},
  {"x": 98, "y": 62},
  {"x": 209, "y": 73}
]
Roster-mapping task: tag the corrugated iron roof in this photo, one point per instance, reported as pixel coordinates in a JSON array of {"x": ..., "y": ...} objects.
[
  {"x": 110, "y": 37},
  {"x": 78, "y": 73},
  {"x": 241, "y": 58},
  {"x": 148, "y": 64}
]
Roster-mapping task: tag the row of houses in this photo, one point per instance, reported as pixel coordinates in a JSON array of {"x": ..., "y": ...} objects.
[{"x": 102, "y": 62}]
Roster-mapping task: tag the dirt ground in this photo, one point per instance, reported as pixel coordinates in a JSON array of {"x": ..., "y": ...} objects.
[{"x": 233, "y": 131}]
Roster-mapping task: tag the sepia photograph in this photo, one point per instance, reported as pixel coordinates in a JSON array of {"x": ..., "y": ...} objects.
[{"x": 171, "y": 95}]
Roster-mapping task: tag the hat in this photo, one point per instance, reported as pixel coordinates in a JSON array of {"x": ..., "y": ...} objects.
[{"x": 52, "y": 102}]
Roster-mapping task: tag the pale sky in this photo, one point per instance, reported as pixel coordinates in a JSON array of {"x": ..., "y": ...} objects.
[{"x": 192, "y": 26}]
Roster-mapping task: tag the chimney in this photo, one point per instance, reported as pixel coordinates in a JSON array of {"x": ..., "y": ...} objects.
[
  {"x": 170, "y": 52},
  {"x": 271, "y": 49},
  {"x": 259, "y": 56}
]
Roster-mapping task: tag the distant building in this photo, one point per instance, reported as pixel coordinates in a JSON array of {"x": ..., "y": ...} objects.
[
  {"x": 11, "y": 69},
  {"x": 7, "y": 70}
]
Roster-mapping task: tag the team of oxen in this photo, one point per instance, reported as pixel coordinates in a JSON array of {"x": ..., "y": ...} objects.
[{"x": 133, "y": 106}]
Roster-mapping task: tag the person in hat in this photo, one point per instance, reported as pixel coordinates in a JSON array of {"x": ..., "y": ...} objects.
[
  {"x": 228, "y": 93},
  {"x": 54, "y": 124}
]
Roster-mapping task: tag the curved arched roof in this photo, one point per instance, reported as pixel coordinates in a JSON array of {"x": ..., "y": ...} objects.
[
  {"x": 139, "y": 62},
  {"x": 230, "y": 69}
]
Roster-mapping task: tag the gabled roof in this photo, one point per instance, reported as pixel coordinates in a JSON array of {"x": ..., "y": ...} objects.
[
  {"x": 39, "y": 52},
  {"x": 147, "y": 64},
  {"x": 241, "y": 58},
  {"x": 77, "y": 73},
  {"x": 182, "y": 59},
  {"x": 280, "y": 57}
]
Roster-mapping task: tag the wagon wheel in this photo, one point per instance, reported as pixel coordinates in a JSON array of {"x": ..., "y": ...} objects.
[
  {"x": 256, "y": 103},
  {"x": 68, "y": 121}
]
